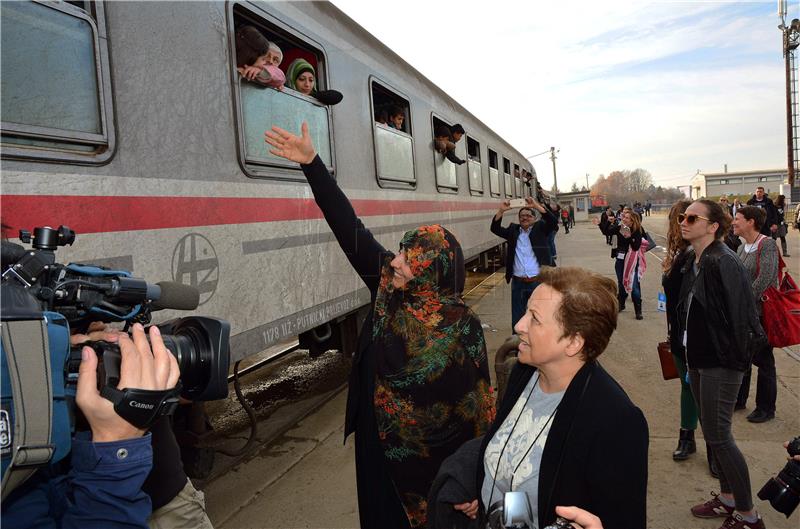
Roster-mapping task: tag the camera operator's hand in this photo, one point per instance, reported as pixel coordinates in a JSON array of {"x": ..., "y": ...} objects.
[
  {"x": 786, "y": 446},
  {"x": 140, "y": 368},
  {"x": 583, "y": 519},
  {"x": 470, "y": 509}
]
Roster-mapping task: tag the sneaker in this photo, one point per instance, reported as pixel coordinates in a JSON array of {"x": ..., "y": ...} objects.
[
  {"x": 735, "y": 521},
  {"x": 712, "y": 508},
  {"x": 760, "y": 416}
]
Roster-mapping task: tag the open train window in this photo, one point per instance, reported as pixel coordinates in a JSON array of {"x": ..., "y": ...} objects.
[
  {"x": 394, "y": 146},
  {"x": 258, "y": 108},
  {"x": 509, "y": 185},
  {"x": 494, "y": 175},
  {"x": 474, "y": 167},
  {"x": 56, "y": 89},
  {"x": 517, "y": 181},
  {"x": 446, "y": 175}
]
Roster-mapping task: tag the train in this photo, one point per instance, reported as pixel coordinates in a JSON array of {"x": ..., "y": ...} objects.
[{"x": 129, "y": 123}]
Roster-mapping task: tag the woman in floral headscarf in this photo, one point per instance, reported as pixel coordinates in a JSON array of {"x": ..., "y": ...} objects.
[{"x": 419, "y": 387}]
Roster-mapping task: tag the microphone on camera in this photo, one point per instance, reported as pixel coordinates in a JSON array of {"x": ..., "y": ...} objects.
[{"x": 172, "y": 295}]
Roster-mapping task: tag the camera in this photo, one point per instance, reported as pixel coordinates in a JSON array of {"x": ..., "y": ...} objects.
[
  {"x": 42, "y": 300},
  {"x": 514, "y": 512},
  {"x": 783, "y": 491}
]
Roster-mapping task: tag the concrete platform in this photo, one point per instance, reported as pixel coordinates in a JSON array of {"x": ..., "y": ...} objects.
[{"x": 307, "y": 477}]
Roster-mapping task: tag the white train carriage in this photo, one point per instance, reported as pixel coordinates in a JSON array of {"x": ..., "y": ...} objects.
[{"x": 128, "y": 122}]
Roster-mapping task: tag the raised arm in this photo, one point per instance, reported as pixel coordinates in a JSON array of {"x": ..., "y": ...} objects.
[{"x": 363, "y": 251}]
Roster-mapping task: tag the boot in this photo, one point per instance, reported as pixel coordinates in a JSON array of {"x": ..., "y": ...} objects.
[
  {"x": 637, "y": 307},
  {"x": 712, "y": 463},
  {"x": 622, "y": 303},
  {"x": 686, "y": 445}
]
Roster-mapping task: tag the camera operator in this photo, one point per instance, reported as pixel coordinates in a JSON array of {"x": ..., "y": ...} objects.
[{"x": 102, "y": 487}]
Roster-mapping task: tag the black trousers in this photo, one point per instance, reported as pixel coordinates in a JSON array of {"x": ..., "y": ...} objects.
[{"x": 766, "y": 382}]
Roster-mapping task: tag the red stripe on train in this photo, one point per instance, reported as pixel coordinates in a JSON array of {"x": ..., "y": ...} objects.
[{"x": 98, "y": 214}]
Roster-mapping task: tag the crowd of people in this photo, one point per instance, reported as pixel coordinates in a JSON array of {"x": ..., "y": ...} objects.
[{"x": 432, "y": 447}]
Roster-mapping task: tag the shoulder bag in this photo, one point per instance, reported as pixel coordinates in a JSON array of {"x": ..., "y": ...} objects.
[{"x": 781, "y": 308}]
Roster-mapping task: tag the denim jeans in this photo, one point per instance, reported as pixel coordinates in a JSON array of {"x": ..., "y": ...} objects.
[
  {"x": 636, "y": 292},
  {"x": 551, "y": 239},
  {"x": 715, "y": 391},
  {"x": 520, "y": 292}
]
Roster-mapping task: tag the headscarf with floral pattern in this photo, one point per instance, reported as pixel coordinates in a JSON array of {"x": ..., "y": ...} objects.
[{"x": 432, "y": 388}]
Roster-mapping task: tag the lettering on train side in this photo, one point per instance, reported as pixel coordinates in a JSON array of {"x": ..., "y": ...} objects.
[{"x": 195, "y": 263}]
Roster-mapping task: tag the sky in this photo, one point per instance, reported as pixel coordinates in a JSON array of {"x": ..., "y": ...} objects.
[{"x": 671, "y": 87}]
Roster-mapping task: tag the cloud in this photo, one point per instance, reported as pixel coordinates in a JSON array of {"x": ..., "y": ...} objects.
[{"x": 668, "y": 86}]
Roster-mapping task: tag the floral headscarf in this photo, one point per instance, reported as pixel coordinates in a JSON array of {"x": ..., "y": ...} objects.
[{"x": 432, "y": 388}]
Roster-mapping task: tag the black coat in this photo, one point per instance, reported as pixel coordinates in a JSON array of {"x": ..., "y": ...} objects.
[
  {"x": 772, "y": 212},
  {"x": 595, "y": 456},
  {"x": 538, "y": 236},
  {"x": 723, "y": 288}
]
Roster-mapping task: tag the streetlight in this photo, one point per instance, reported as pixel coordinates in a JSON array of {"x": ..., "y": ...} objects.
[{"x": 791, "y": 40}]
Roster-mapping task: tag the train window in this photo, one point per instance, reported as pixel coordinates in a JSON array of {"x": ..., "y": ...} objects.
[
  {"x": 474, "y": 167},
  {"x": 494, "y": 177},
  {"x": 394, "y": 147},
  {"x": 509, "y": 185},
  {"x": 56, "y": 89},
  {"x": 446, "y": 175},
  {"x": 259, "y": 108},
  {"x": 517, "y": 181}
]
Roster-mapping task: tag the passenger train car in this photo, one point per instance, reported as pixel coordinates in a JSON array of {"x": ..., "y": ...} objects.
[{"x": 128, "y": 122}]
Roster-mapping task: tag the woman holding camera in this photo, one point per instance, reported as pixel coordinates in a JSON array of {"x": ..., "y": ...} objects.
[
  {"x": 566, "y": 433},
  {"x": 419, "y": 386},
  {"x": 630, "y": 261},
  {"x": 720, "y": 330}
]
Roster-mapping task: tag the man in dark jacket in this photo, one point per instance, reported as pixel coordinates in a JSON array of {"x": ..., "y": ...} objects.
[
  {"x": 526, "y": 255},
  {"x": 761, "y": 200}
]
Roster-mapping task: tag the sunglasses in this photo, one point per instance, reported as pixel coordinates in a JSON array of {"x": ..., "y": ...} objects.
[{"x": 691, "y": 218}]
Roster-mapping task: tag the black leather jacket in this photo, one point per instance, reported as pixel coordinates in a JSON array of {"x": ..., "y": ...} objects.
[{"x": 723, "y": 289}]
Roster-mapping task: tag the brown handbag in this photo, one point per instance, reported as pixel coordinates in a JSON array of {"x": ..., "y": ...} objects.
[{"x": 668, "y": 369}]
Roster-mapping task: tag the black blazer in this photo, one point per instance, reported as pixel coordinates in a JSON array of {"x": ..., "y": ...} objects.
[
  {"x": 538, "y": 236},
  {"x": 365, "y": 254},
  {"x": 595, "y": 456}
]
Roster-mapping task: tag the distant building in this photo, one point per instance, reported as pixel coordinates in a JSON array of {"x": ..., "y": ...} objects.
[
  {"x": 739, "y": 183},
  {"x": 581, "y": 202}
]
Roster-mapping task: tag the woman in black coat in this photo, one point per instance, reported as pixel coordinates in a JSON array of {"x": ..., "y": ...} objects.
[
  {"x": 566, "y": 433},
  {"x": 419, "y": 386}
]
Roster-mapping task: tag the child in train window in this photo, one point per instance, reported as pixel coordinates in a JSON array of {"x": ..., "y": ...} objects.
[
  {"x": 444, "y": 141},
  {"x": 255, "y": 60},
  {"x": 396, "y": 117}
]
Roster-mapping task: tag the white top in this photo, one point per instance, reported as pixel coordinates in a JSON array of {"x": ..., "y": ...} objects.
[{"x": 525, "y": 263}]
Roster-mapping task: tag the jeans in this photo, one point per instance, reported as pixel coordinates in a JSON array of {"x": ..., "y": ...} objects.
[
  {"x": 520, "y": 292},
  {"x": 551, "y": 239},
  {"x": 636, "y": 292},
  {"x": 715, "y": 391},
  {"x": 766, "y": 382}
]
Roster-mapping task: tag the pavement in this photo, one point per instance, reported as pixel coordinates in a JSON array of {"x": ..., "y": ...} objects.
[{"x": 306, "y": 477}]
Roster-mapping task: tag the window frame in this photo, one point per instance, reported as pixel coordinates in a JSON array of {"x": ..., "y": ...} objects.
[
  {"x": 106, "y": 141},
  {"x": 510, "y": 179},
  {"x": 489, "y": 152},
  {"x": 266, "y": 21},
  {"x": 388, "y": 183},
  {"x": 482, "y": 191},
  {"x": 440, "y": 188}
]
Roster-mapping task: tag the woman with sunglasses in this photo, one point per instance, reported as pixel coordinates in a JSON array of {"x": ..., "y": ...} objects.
[
  {"x": 719, "y": 328},
  {"x": 630, "y": 261}
]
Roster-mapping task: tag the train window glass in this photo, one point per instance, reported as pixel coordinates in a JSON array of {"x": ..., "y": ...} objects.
[
  {"x": 394, "y": 147},
  {"x": 446, "y": 175},
  {"x": 494, "y": 176},
  {"x": 517, "y": 182},
  {"x": 55, "y": 82},
  {"x": 474, "y": 167},
  {"x": 509, "y": 185},
  {"x": 259, "y": 107}
]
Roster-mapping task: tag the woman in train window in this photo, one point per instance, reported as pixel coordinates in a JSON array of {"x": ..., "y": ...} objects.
[
  {"x": 419, "y": 386},
  {"x": 720, "y": 331}
]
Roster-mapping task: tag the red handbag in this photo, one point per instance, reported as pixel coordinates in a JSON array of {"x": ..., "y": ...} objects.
[{"x": 781, "y": 308}]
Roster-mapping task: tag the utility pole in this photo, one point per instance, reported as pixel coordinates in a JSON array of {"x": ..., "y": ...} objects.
[
  {"x": 587, "y": 183},
  {"x": 555, "y": 179},
  {"x": 791, "y": 40}
]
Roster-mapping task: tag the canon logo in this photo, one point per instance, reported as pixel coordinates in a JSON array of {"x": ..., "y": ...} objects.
[{"x": 135, "y": 404}]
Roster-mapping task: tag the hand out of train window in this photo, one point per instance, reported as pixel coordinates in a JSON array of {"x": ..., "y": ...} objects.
[
  {"x": 255, "y": 58},
  {"x": 445, "y": 139}
]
